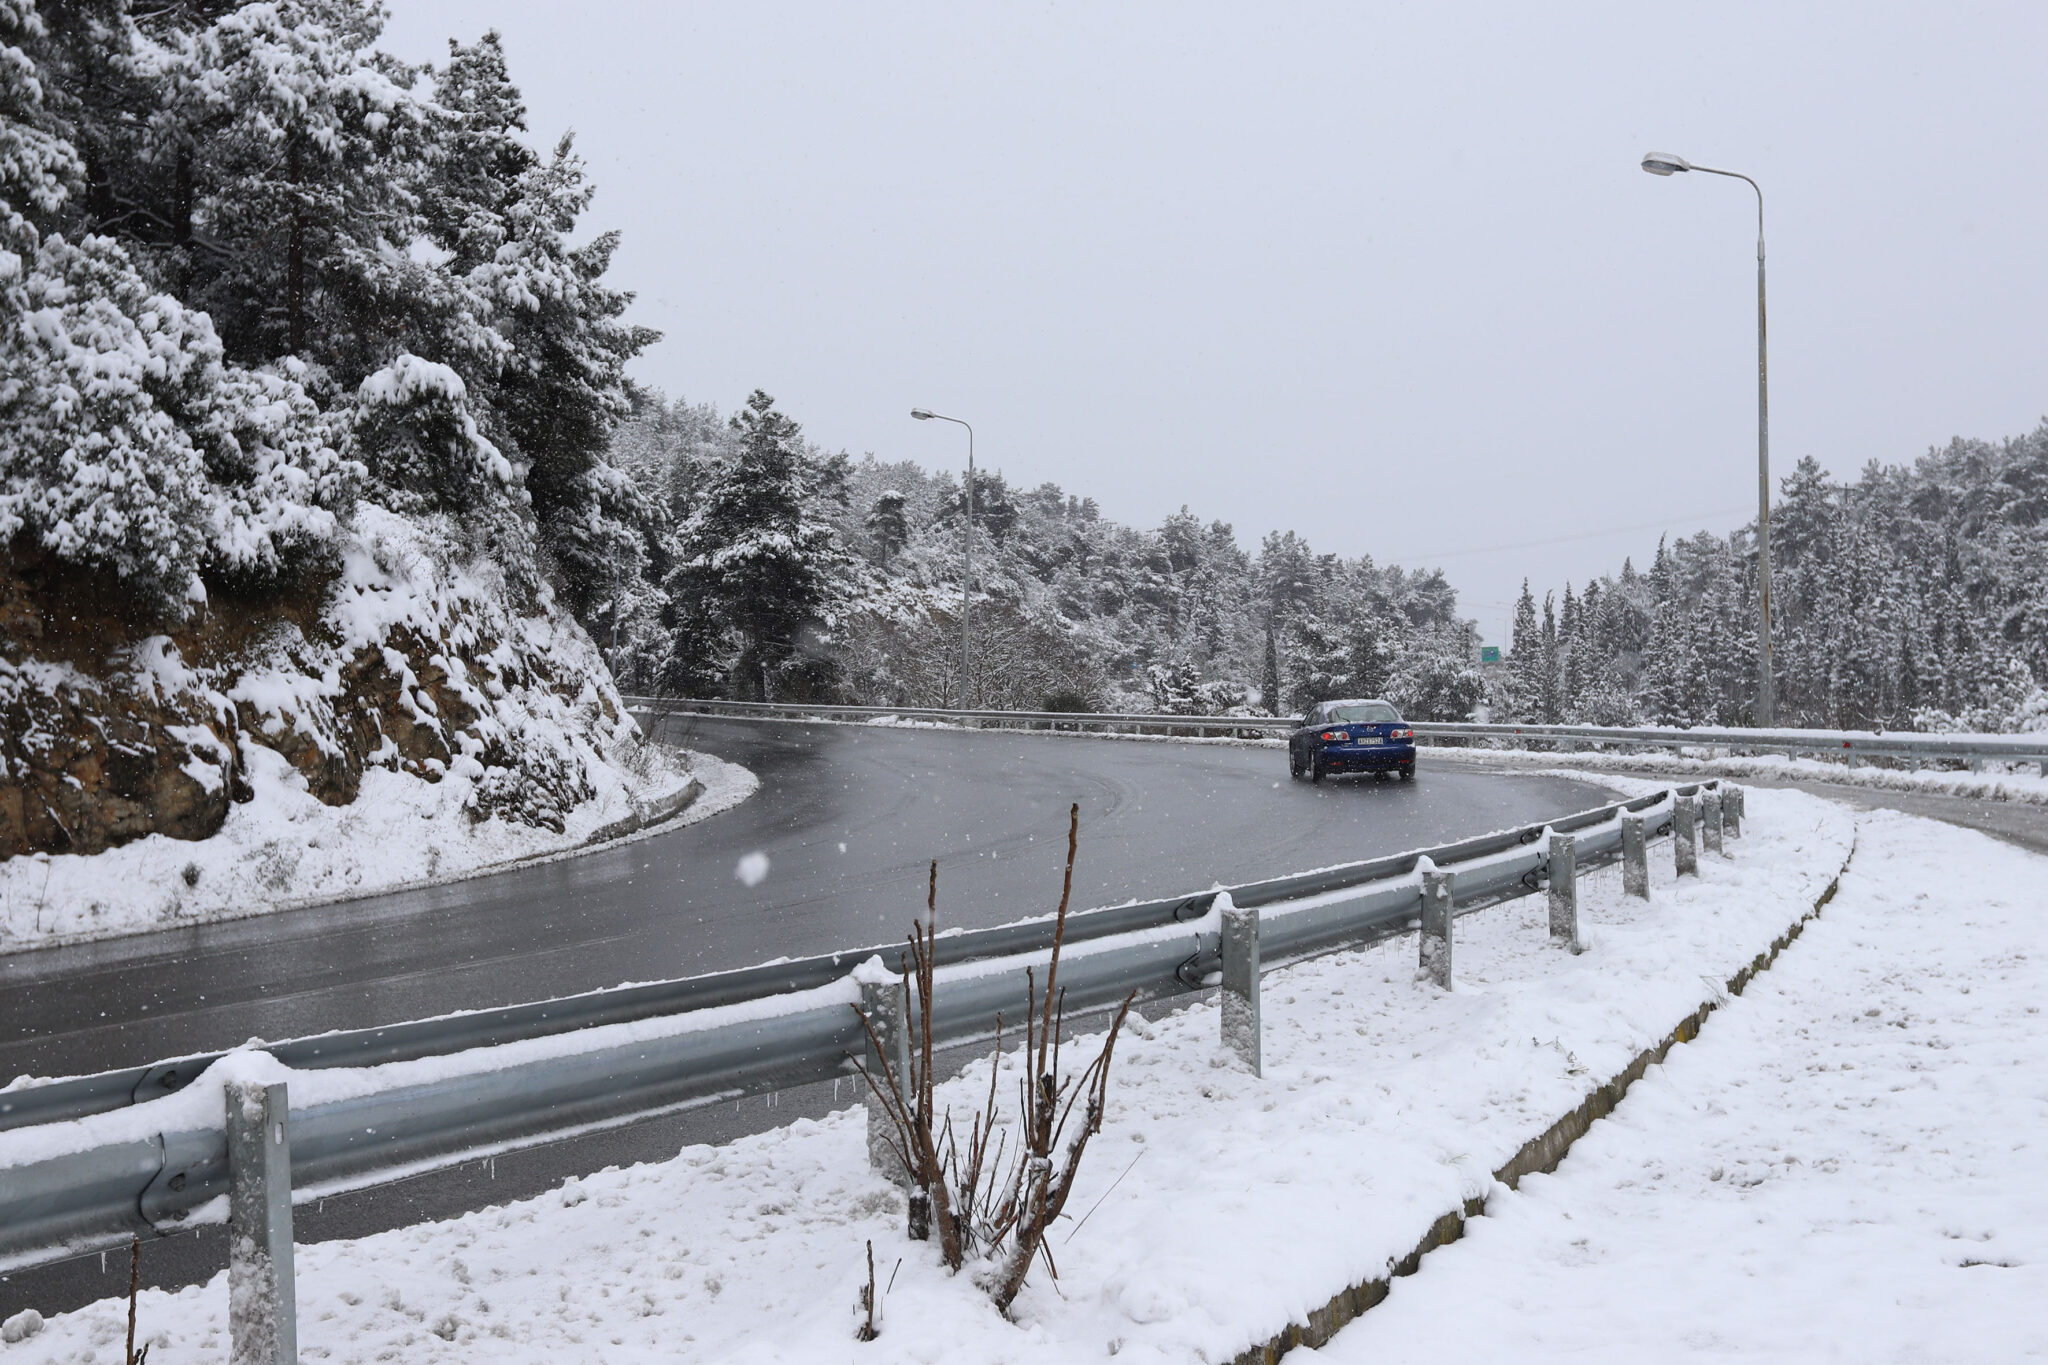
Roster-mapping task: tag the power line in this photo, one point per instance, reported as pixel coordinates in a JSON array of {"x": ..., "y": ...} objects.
[{"x": 1660, "y": 524}]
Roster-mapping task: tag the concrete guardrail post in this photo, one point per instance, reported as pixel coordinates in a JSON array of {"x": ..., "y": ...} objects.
[
  {"x": 1731, "y": 811},
  {"x": 1436, "y": 923},
  {"x": 1685, "y": 835},
  {"x": 262, "y": 1299},
  {"x": 1635, "y": 857},
  {"x": 1564, "y": 892},
  {"x": 1710, "y": 827},
  {"x": 882, "y": 1003},
  {"x": 1240, "y": 998}
]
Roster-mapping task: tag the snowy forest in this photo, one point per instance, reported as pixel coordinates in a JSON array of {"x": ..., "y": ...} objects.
[
  {"x": 255, "y": 274},
  {"x": 1915, "y": 597},
  {"x": 775, "y": 568},
  {"x": 254, "y": 270}
]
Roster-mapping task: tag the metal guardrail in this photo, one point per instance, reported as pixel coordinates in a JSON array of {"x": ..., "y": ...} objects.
[
  {"x": 1848, "y": 745},
  {"x": 86, "y": 1163}
]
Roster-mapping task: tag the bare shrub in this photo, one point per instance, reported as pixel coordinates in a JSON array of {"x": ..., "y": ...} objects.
[{"x": 989, "y": 1201}]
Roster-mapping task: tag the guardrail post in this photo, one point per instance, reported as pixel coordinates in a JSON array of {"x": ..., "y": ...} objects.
[
  {"x": 1685, "y": 835},
  {"x": 1731, "y": 811},
  {"x": 882, "y": 1002},
  {"x": 1635, "y": 857},
  {"x": 262, "y": 1302},
  {"x": 1710, "y": 827},
  {"x": 1564, "y": 892},
  {"x": 1240, "y": 998},
  {"x": 1436, "y": 923}
]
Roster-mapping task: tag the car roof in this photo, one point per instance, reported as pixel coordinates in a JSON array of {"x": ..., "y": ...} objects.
[{"x": 1361, "y": 701}]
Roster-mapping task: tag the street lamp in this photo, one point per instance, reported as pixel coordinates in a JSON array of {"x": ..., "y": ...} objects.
[
  {"x": 1662, "y": 163},
  {"x": 967, "y": 553}
]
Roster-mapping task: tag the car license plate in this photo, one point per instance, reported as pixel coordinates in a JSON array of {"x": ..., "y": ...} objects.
[{"x": 1367, "y": 739}]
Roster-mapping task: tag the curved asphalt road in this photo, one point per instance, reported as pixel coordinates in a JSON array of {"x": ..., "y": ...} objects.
[{"x": 848, "y": 816}]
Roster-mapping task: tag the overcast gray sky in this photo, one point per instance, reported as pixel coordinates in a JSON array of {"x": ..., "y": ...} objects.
[{"x": 1386, "y": 275}]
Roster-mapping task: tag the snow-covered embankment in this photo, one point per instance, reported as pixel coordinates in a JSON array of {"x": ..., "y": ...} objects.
[
  {"x": 1845, "y": 1166},
  {"x": 1215, "y": 1210}
]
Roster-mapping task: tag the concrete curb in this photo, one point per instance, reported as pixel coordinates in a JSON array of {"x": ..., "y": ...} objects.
[
  {"x": 667, "y": 808},
  {"x": 1540, "y": 1154}
]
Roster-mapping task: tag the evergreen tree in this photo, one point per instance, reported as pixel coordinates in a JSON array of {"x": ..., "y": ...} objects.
[
  {"x": 754, "y": 552},
  {"x": 1370, "y": 659},
  {"x": 887, "y": 525},
  {"x": 555, "y": 370},
  {"x": 1550, "y": 704},
  {"x": 1525, "y": 661},
  {"x": 128, "y": 443},
  {"x": 298, "y": 144},
  {"x": 1269, "y": 675}
]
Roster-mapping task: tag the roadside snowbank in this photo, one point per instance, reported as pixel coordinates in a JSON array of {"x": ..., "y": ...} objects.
[
  {"x": 285, "y": 848},
  {"x": 1846, "y": 1164},
  {"x": 1215, "y": 1207},
  {"x": 1999, "y": 781}
]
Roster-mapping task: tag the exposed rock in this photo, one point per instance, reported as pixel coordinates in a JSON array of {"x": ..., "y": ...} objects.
[{"x": 402, "y": 658}]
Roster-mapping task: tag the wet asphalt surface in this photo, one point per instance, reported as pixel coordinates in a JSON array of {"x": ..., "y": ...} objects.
[{"x": 848, "y": 817}]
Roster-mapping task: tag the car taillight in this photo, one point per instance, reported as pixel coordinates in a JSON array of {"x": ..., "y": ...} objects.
[
  {"x": 1400, "y": 734},
  {"x": 1336, "y": 736}
]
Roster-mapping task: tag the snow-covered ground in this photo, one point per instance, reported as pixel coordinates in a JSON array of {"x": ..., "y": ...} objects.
[
  {"x": 1847, "y": 1165},
  {"x": 1215, "y": 1208},
  {"x": 1998, "y": 782},
  {"x": 285, "y": 848}
]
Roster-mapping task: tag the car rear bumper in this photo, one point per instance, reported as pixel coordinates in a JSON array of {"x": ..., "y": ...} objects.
[{"x": 1376, "y": 758}]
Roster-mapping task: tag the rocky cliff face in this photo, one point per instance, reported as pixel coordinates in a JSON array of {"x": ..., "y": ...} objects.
[{"x": 410, "y": 656}]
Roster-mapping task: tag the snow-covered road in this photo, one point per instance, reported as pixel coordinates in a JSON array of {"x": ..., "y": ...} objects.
[{"x": 1847, "y": 1165}]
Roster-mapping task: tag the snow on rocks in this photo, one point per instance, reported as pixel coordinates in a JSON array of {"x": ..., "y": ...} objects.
[
  {"x": 1215, "y": 1208},
  {"x": 428, "y": 721},
  {"x": 1844, "y": 1166}
]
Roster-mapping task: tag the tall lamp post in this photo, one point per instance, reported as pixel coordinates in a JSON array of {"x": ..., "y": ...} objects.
[
  {"x": 1662, "y": 163},
  {"x": 967, "y": 553}
]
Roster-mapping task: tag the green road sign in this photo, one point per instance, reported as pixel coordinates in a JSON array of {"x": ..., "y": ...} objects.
[{"x": 1489, "y": 654}]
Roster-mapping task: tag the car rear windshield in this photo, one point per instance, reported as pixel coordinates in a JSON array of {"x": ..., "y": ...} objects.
[{"x": 1375, "y": 713}]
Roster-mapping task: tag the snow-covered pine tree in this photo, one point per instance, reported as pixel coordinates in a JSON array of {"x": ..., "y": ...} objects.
[
  {"x": 1525, "y": 661},
  {"x": 1433, "y": 676},
  {"x": 887, "y": 526},
  {"x": 127, "y": 442},
  {"x": 1372, "y": 656},
  {"x": 1269, "y": 676},
  {"x": 556, "y": 387},
  {"x": 754, "y": 552},
  {"x": 1550, "y": 691},
  {"x": 296, "y": 145}
]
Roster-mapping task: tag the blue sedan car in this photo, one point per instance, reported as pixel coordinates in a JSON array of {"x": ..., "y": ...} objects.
[{"x": 1364, "y": 736}]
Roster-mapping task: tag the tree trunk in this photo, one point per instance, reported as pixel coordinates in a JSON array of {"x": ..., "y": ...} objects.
[{"x": 295, "y": 262}]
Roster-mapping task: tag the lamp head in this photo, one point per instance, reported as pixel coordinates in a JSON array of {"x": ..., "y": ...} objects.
[
  {"x": 921, "y": 414},
  {"x": 1663, "y": 163}
]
